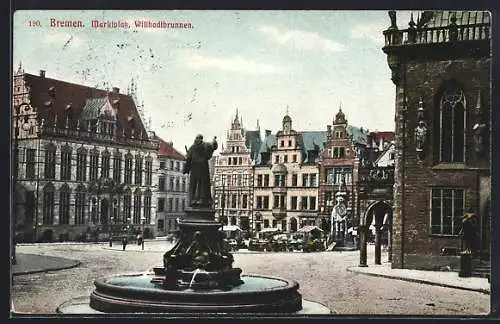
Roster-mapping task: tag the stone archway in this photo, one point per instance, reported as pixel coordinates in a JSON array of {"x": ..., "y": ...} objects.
[{"x": 376, "y": 219}]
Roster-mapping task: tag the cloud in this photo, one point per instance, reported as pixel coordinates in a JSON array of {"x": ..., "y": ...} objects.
[
  {"x": 372, "y": 32},
  {"x": 232, "y": 64},
  {"x": 63, "y": 39},
  {"x": 301, "y": 40}
]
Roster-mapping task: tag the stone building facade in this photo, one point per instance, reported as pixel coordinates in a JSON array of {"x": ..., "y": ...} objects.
[
  {"x": 286, "y": 179},
  {"x": 441, "y": 66},
  {"x": 85, "y": 161},
  {"x": 173, "y": 188},
  {"x": 233, "y": 176}
]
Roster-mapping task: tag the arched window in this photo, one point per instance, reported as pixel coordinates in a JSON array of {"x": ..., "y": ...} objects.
[
  {"x": 147, "y": 206},
  {"x": 80, "y": 198},
  {"x": 66, "y": 162},
  {"x": 50, "y": 161},
  {"x": 64, "y": 205},
  {"x": 81, "y": 164},
  {"x": 105, "y": 163},
  {"x": 452, "y": 125},
  {"x": 127, "y": 205},
  {"x": 48, "y": 204},
  {"x": 137, "y": 206},
  {"x": 128, "y": 169},
  {"x": 94, "y": 164}
]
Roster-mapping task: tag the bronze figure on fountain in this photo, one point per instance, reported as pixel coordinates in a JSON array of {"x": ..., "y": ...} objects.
[{"x": 196, "y": 165}]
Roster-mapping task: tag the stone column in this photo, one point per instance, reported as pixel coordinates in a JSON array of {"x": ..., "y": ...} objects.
[
  {"x": 362, "y": 246},
  {"x": 378, "y": 233}
]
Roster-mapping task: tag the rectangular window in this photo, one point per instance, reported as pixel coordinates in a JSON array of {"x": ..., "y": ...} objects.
[
  {"x": 335, "y": 153},
  {"x": 64, "y": 207},
  {"x": 240, "y": 161},
  {"x": 303, "y": 203},
  {"x": 65, "y": 165},
  {"x": 48, "y": 207},
  {"x": 266, "y": 202},
  {"x": 277, "y": 159},
  {"x": 294, "y": 158},
  {"x": 447, "y": 208},
  {"x": 305, "y": 178},
  {"x": 171, "y": 165},
  {"x": 235, "y": 160},
  {"x": 259, "y": 202},
  {"x": 162, "y": 165},
  {"x": 312, "y": 203},
  {"x": 244, "y": 203},
  {"x": 294, "y": 203},
  {"x": 176, "y": 204},
  {"x": 177, "y": 166},
  {"x": 341, "y": 152},
  {"x": 312, "y": 179},
  {"x": 294, "y": 180},
  {"x": 30, "y": 163},
  {"x": 81, "y": 166},
  {"x": 117, "y": 168},
  {"x": 276, "y": 201},
  {"x": 289, "y": 143},
  {"x": 161, "y": 204},
  {"x": 171, "y": 184},
  {"x": 282, "y": 143},
  {"x": 161, "y": 183},
  {"x": 285, "y": 159},
  {"x": 160, "y": 225},
  {"x": 266, "y": 180}
]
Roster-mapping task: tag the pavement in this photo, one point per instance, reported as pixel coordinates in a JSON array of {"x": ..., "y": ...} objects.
[
  {"x": 449, "y": 279},
  {"x": 34, "y": 263}
]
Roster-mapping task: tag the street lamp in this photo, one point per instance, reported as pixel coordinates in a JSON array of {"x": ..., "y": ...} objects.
[{"x": 143, "y": 221}]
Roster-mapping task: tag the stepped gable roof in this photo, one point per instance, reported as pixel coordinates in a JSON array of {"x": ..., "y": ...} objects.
[
  {"x": 166, "y": 149},
  {"x": 59, "y": 98}
]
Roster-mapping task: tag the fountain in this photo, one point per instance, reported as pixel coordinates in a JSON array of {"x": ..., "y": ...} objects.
[{"x": 197, "y": 274}]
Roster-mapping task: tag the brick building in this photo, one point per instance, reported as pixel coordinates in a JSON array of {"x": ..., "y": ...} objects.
[
  {"x": 84, "y": 161},
  {"x": 441, "y": 67},
  {"x": 173, "y": 187}
]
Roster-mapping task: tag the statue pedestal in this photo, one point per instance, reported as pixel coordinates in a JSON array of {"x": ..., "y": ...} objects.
[{"x": 200, "y": 259}]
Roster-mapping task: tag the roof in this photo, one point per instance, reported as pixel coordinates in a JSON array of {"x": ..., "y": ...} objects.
[
  {"x": 387, "y": 136},
  {"x": 166, "y": 149},
  {"x": 253, "y": 142},
  {"x": 72, "y": 100},
  {"x": 265, "y": 146},
  {"x": 270, "y": 229},
  {"x": 358, "y": 134},
  {"x": 441, "y": 18}
]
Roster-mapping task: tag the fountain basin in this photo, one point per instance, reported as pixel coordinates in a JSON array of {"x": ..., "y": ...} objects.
[{"x": 142, "y": 293}]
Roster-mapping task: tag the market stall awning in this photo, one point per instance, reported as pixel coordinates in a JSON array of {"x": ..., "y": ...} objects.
[
  {"x": 309, "y": 228},
  {"x": 231, "y": 228},
  {"x": 270, "y": 230}
]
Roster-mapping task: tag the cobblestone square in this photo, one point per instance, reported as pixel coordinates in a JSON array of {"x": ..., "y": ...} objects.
[{"x": 323, "y": 277}]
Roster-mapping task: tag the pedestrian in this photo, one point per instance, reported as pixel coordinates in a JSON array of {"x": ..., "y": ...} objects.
[
  {"x": 468, "y": 230},
  {"x": 124, "y": 242}
]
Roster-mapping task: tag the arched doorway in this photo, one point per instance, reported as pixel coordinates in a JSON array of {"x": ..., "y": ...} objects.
[
  {"x": 376, "y": 225},
  {"x": 293, "y": 225}
]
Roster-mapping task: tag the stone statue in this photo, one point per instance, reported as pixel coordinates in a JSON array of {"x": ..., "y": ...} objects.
[
  {"x": 420, "y": 136},
  {"x": 392, "y": 15},
  {"x": 196, "y": 165}
]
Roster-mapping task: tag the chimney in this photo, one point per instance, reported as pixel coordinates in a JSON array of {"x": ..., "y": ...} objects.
[
  {"x": 268, "y": 132},
  {"x": 42, "y": 73},
  {"x": 116, "y": 90}
]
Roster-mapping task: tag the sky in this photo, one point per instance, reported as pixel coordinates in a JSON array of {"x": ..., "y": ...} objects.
[{"x": 192, "y": 81}]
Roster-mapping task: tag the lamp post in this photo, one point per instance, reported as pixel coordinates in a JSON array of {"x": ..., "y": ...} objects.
[{"x": 143, "y": 221}]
